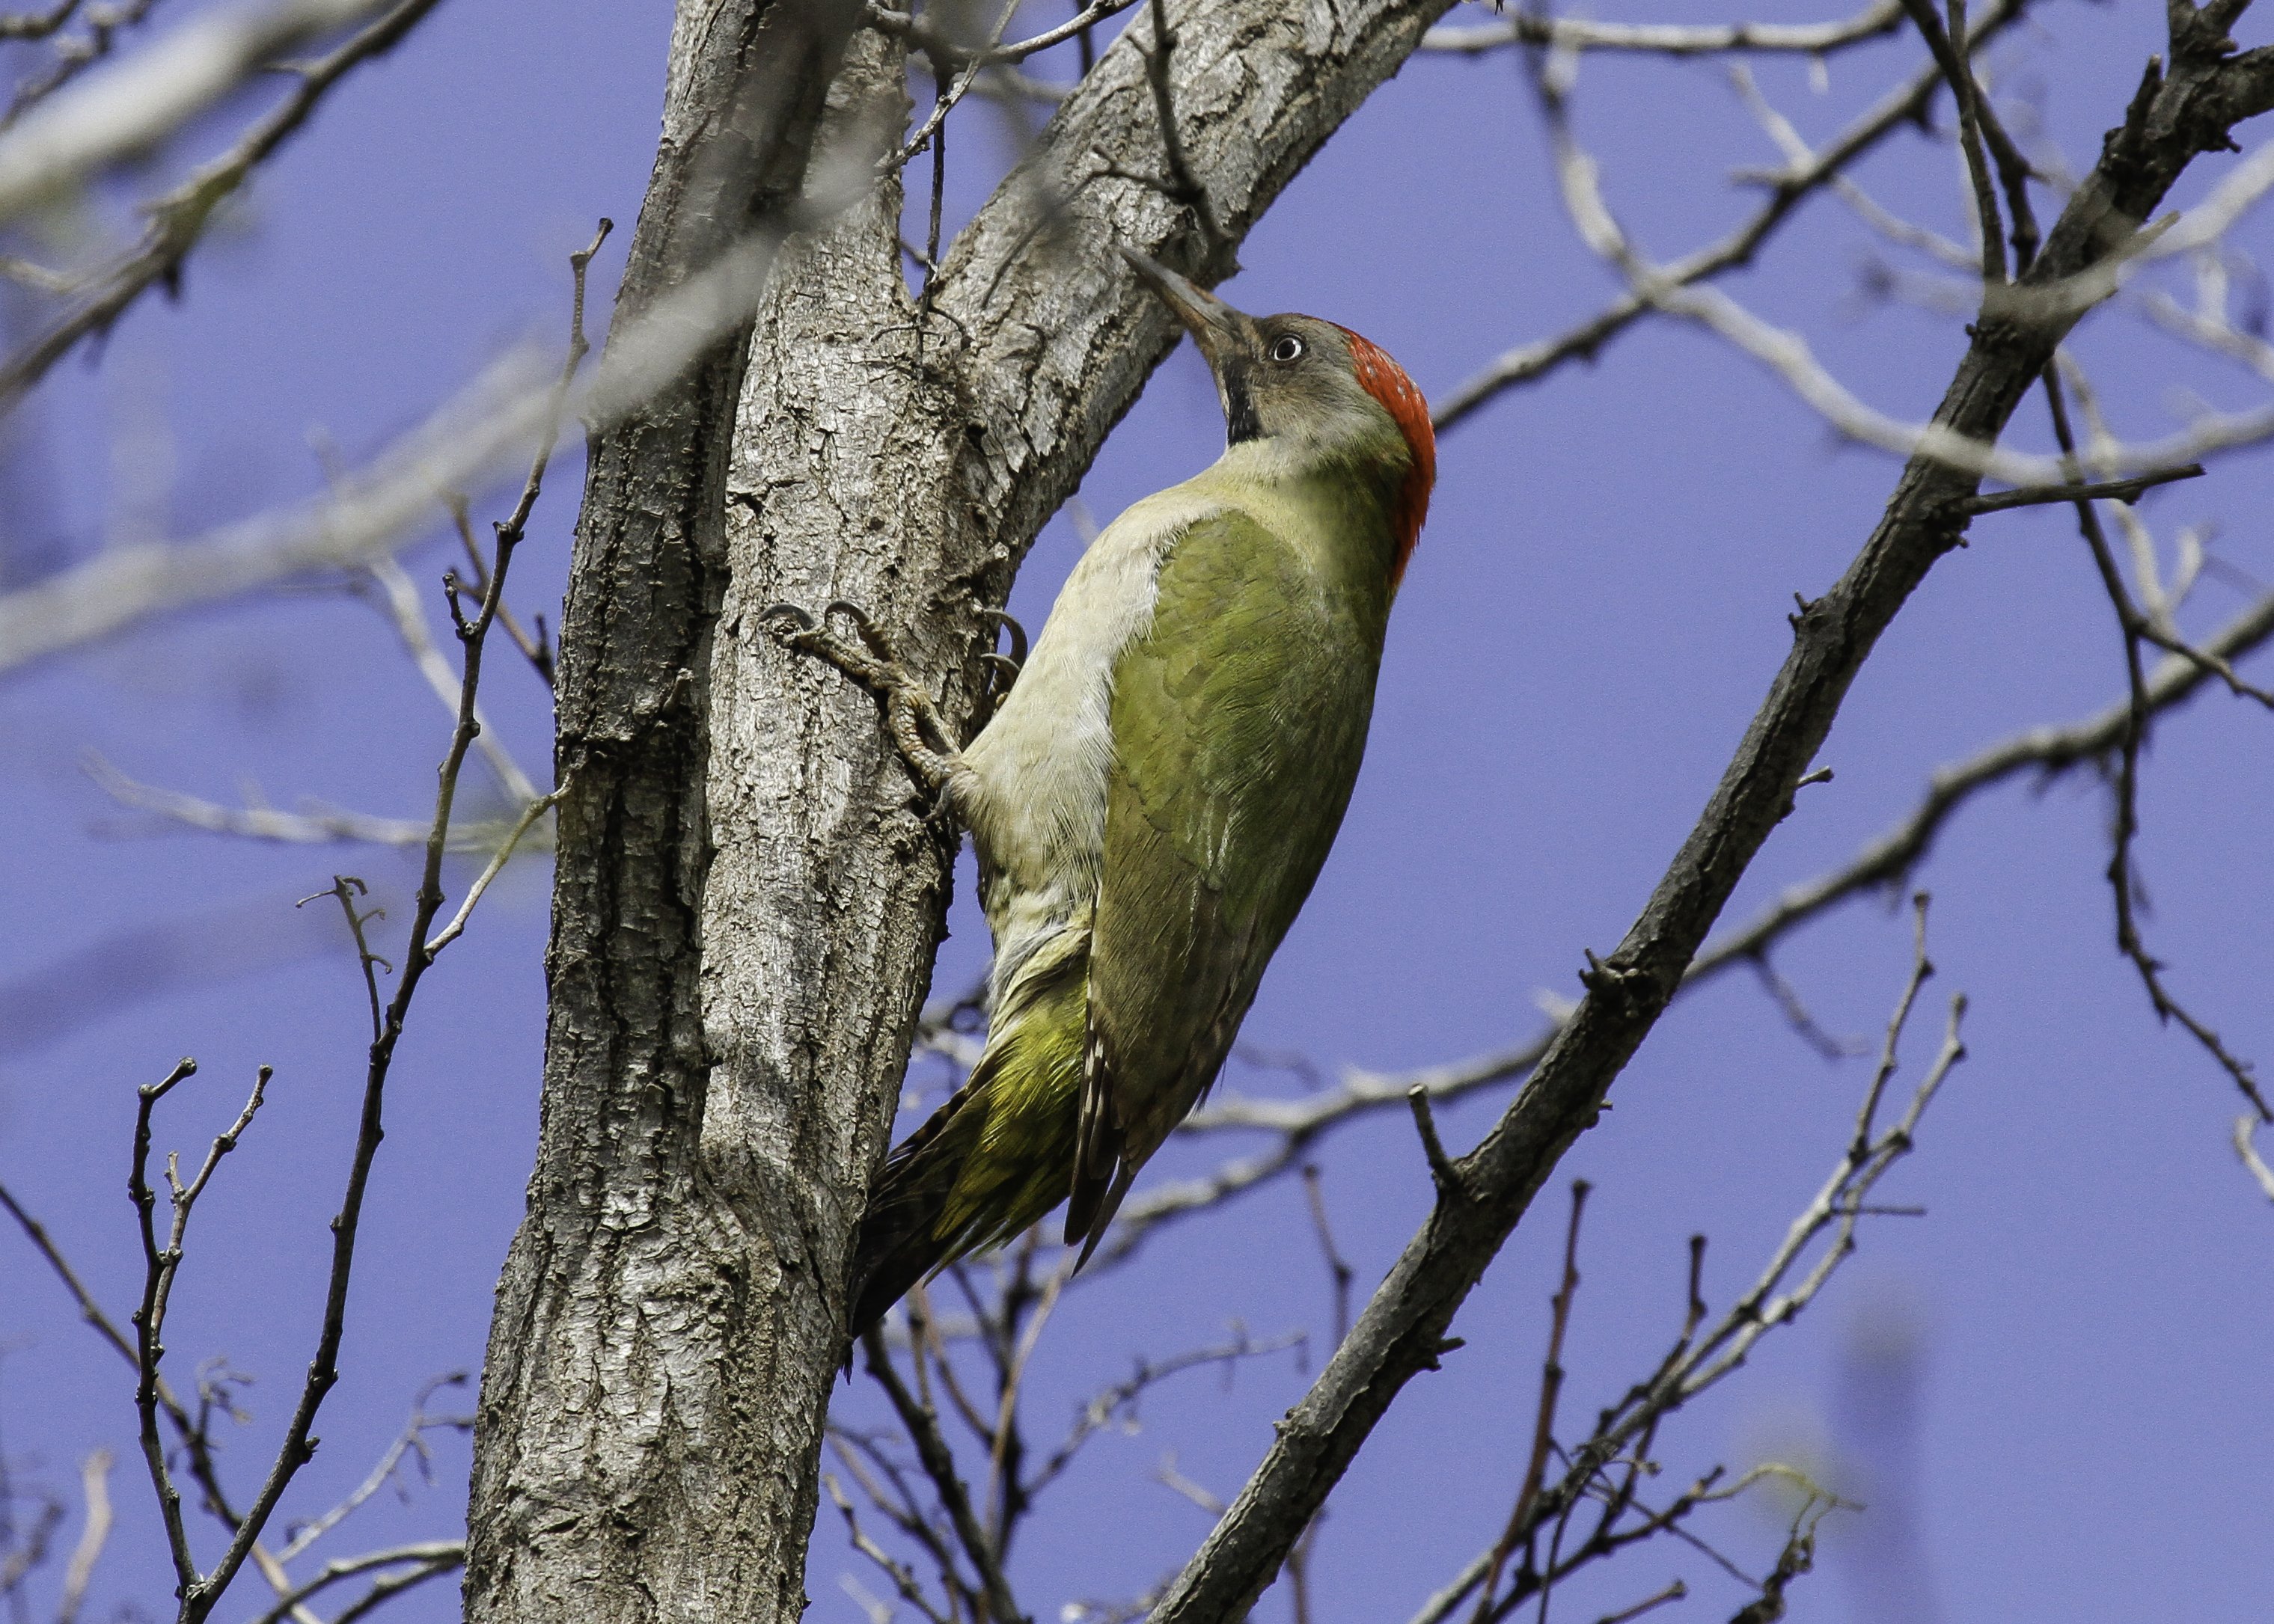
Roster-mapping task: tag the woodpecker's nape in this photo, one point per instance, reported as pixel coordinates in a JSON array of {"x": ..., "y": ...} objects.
[{"x": 1153, "y": 798}]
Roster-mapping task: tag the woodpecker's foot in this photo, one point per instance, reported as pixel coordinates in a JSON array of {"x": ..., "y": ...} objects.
[
  {"x": 1002, "y": 669},
  {"x": 910, "y": 717}
]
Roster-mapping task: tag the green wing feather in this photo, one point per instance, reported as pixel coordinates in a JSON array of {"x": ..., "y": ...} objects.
[{"x": 1238, "y": 721}]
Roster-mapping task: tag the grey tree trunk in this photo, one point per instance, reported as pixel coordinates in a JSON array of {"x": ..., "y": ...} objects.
[{"x": 747, "y": 899}]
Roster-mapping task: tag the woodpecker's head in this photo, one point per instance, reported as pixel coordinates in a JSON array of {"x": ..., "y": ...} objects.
[{"x": 1309, "y": 394}]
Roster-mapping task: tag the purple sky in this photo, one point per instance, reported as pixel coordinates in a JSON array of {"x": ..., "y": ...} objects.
[{"x": 2052, "y": 1386}]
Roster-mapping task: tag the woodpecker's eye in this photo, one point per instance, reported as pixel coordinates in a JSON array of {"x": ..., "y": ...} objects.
[{"x": 1288, "y": 348}]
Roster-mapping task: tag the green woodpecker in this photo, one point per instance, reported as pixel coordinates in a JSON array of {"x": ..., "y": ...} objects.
[{"x": 1153, "y": 798}]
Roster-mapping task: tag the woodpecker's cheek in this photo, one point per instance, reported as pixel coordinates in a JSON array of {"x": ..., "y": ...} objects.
[{"x": 1240, "y": 422}]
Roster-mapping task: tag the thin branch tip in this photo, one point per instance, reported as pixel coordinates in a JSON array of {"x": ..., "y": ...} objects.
[{"x": 1451, "y": 1186}]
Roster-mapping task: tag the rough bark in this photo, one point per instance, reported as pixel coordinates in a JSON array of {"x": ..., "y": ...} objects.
[
  {"x": 593, "y": 1458},
  {"x": 746, "y": 902},
  {"x": 1402, "y": 1330}
]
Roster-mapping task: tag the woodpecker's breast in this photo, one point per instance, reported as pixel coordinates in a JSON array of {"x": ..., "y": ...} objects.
[{"x": 1035, "y": 796}]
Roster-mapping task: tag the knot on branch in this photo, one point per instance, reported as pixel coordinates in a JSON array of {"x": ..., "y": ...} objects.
[{"x": 1628, "y": 988}]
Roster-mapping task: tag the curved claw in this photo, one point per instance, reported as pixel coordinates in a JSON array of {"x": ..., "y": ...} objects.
[
  {"x": 1004, "y": 675},
  {"x": 803, "y": 622},
  {"x": 1018, "y": 635},
  {"x": 861, "y": 624}
]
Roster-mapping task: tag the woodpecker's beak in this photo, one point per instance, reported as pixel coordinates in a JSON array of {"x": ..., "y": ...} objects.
[{"x": 1216, "y": 327}]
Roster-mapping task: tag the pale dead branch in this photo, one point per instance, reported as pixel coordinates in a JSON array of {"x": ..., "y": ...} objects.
[
  {"x": 95, "y": 1488},
  {"x": 1574, "y": 33},
  {"x": 131, "y": 105},
  {"x": 2246, "y": 1147}
]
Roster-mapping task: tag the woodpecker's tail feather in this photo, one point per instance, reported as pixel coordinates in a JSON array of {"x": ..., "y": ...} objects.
[
  {"x": 996, "y": 1156},
  {"x": 899, "y": 1243}
]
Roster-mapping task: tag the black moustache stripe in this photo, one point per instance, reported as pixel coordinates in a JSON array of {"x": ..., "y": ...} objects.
[{"x": 1240, "y": 422}]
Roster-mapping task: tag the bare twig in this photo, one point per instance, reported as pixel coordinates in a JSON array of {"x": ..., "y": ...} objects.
[
  {"x": 437, "y": 1555},
  {"x": 2048, "y": 304},
  {"x": 394, "y": 1585},
  {"x": 1442, "y": 1173},
  {"x": 75, "y": 55},
  {"x": 1339, "y": 1272},
  {"x": 515, "y": 526},
  {"x": 533, "y": 647},
  {"x": 1006, "y": 1496},
  {"x": 176, "y": 221},
  {"x": 199, "y": 1595},
  {"x": 512, "y": 407},
  {"x": 30, "y": 1549},
  {"x": 1784, "y": 352},
  {"x": 1170, "y": 1478},
  {"x": 315, "y": 825},
  {"x": 44, "y": 1245},
  {"x": 1787, "y": 189},
  {"x": 1543, "y": 1429},
  {"x": 1922, "y": 967},
  {"x": 189, "y": 1431},
  {"x": 2111, "y": 490},
  {"x": 1340, "y": 1275},
  {"x": 1118, "y": 1399},
  {"x": 157, "y": 1274},
  {"x": 903, "y": 1578},
  {"x": 950, "y": 54},
  {"x": 1626, "y": 1430},
  {"x": 1577, "y": 34},
  {"x": 131, "y": 107},
  {"x": 398, "y": 598},
  {"x": 1797, "y": 1557},
  {"x": 37, "y": 25},
  {"x": 1675, "y": 1591},
  {"x": 410, "y": 1442},
  {"x": 1950, "y": 55},
  {"x": 1837, "y": 1208},
  {"x": 529, "y": 814},
  {"x": 2122, "y": 880},
  {"x": 1788, "y": 1002},
  {"x": 2220, "y": 336},
  {"x": 928, "y": 131},
  {"x": 858, "y": 1452},
  {"x": 922, "y": 1425}
]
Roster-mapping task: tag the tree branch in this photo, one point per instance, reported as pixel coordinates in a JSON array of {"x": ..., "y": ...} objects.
[
  {"x": 2110, "y": 490},
  {"x": 2175, "y": 118},
  {"x": 432, "y": 1556},
  {"x": 176, "y": 223},
  {"x": 94, "y": 1486},
  {"x": 939, "y": 1465},
  {"x": 2122, "y": 878},
  {"x": 1788, "y": 189},
  {"x": 132, "y": 107},
  {"x": 1886, "y": 860},
  {"x": 1579, "y": 33},
  {"x": 2246, "y": 1148}
]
